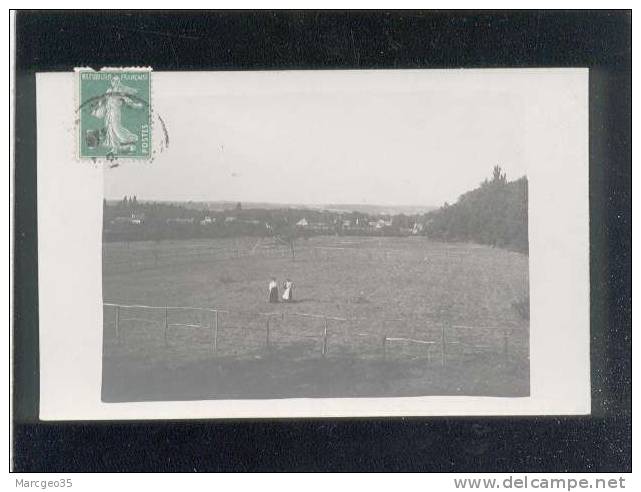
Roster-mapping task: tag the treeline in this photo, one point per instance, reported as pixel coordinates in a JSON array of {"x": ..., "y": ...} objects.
[
  {"x": 495, "y": 213},
  {"x": 132, "y": 220}
]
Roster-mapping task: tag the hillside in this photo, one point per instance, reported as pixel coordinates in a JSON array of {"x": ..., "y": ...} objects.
[{"x": 495, "y": 213}]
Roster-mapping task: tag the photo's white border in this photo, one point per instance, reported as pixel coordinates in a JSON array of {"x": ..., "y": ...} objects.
[{"x": 70, "y": 252}]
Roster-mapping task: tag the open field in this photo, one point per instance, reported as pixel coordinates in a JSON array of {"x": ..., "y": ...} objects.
[{"x": 376, "y": 288}]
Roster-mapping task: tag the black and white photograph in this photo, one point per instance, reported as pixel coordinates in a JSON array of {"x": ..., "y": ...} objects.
[{"x": 321, "y": 242}]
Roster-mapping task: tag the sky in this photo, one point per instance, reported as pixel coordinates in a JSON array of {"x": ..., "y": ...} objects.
[{"x": 366, "y": 137}]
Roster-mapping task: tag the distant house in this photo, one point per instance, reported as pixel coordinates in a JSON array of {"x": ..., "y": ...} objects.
[
  {"x": 380, "y": 223},
  {"x": 207, "y": 220},
  {"x": 136, "y": 219},
  {"x": 121, "y": 220},
  {"x": 302, "y": 223},
  {"x": 358, "y": 225},
  {"x": 319, "y": 227},
  {"x": 417, "y": 229},
  {"x": 181, "y": 220}
]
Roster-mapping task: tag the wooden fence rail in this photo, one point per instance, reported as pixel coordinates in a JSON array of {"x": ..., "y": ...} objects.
[{"x": 212, "y": 321}]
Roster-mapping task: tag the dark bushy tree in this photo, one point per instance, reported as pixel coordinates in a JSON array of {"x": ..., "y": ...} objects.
[{"x": 495, "y": 213}]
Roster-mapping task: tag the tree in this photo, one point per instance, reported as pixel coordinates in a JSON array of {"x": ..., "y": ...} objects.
[
  {"x": 495, "y": 213},
  {"x": 400, "y": 221},
  {"x": 286, "y": 234},
  {"x": 498, "y": 176}
]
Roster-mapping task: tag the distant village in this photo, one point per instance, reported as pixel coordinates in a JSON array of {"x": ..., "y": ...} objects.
[
  {"x": 495, "y": 213},
  {"x": 130, "y": 220}
]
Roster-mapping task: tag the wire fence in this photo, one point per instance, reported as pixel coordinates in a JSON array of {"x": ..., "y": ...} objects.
[{"x": 212, "y": 332}]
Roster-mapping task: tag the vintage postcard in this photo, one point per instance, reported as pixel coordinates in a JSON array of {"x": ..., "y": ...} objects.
[{"x": 309, "y": 244}]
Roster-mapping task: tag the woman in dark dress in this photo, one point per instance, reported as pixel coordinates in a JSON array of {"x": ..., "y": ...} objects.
[{"x": 273, "y": 290}]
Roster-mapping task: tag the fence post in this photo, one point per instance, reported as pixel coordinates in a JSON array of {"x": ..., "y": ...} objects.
[
  {"x": 118, "y": 323},
  {"x": 166, "y": 327},
  {"x": 214, "y": 335},
  {"x": 505, "y": 345},
  {"x": 384, "y": 347},
  {"x": 443, "y": 342},
  {"x": 325, "y": 338},
  {"x": 267, "y": 332}
]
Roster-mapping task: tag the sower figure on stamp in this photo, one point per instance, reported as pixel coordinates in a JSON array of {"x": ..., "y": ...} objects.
[
  {"x": 273, "y": 290},
  {"x": 109, "y": 108}
]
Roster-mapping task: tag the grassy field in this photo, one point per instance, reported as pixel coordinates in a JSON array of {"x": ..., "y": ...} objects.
[{"x": 382, "y": 287}]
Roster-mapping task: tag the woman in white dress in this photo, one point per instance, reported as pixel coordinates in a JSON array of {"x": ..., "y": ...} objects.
[{"x": 288, "y": 295}]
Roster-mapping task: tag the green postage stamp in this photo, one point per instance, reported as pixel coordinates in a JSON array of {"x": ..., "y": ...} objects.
[{"x": 114, "y": 113}]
